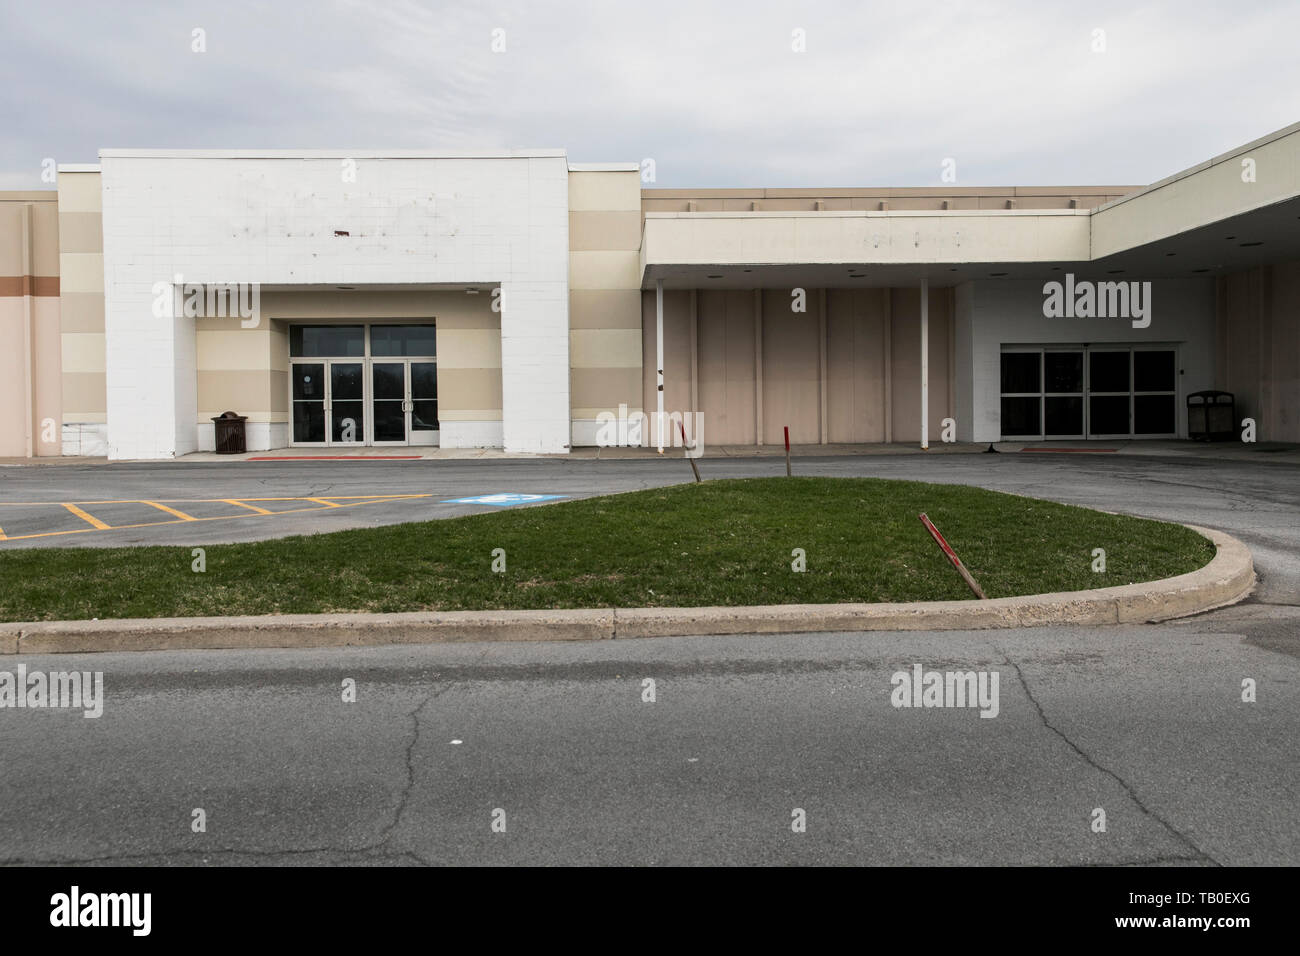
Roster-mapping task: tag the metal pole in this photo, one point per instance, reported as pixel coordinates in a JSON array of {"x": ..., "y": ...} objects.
[
  {"x": 925, "y": 364},
  {"x": 659, "y": 362}
]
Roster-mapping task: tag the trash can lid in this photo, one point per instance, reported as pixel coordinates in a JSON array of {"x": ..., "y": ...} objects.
[
  {"x": 1210, "y": 393},
  {"x": 230, "y": 416}
]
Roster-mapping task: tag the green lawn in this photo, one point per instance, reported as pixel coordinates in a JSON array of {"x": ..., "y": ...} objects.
[{"x": 718, "y": 543}]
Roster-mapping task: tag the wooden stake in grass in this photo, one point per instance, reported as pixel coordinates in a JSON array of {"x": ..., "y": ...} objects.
[
  {"x": 952, "y": 556},
  {"x": 787, "y": 451},
  {"x": 689, "y": 457}
]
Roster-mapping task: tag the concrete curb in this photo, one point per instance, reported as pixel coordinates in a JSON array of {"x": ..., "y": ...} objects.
[{"x": 1228, "y": 578}]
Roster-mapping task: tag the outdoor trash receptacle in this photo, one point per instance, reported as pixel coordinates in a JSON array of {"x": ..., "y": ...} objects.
[
  {"x": 1211, "y": 416},
  {"x": 230, "y": 433}
]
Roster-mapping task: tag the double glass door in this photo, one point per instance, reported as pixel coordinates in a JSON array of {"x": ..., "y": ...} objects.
[{"x": 405, "y": 401}]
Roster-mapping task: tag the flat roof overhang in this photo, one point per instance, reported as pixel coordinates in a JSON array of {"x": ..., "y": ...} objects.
[
  {"x": 1234, "y": 212},
  {"x": 823, "y": 248}
]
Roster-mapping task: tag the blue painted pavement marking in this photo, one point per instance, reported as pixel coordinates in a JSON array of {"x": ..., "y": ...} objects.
[{"x": 503, "y": 500}]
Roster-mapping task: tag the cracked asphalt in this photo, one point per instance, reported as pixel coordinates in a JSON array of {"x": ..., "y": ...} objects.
[{"x": 1145, "y": 723}]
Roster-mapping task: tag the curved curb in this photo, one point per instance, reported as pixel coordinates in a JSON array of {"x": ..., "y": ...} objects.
[{"x": 1228, "y": 578}]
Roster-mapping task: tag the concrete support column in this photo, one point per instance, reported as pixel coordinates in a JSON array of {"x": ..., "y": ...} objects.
[{"x": 925, "y": 363}]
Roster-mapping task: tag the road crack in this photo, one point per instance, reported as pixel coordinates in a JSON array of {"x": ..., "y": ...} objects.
[{"x": 1200, "y": 855}]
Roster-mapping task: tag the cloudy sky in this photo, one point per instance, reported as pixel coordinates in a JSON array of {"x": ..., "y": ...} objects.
[{"x": 883, "y": 93}]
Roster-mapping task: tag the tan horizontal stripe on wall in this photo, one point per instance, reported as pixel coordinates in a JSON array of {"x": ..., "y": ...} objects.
[
  {"x": 81, "y": 232},
  {"x": 85, "y": 391},
  {"x": 605, "y": 309},
  {"x": 236, "y": 390},
  {"x": 81, "y": 311},
  {"x": 605, "y": 270},
  {"x": 605, "y": 231},
  {"x": 605, "y": 388},
  {"x": 605, "y": 348},
  {"x": 29, "y": 285},
  {"x": 468, "y": 388}
]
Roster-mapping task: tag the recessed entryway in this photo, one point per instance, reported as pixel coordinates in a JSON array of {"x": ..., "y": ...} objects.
[{"x": 363, "y": 384}]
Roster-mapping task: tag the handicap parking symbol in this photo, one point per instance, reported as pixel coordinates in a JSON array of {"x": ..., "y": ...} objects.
[{"x": 503, "y": 500}]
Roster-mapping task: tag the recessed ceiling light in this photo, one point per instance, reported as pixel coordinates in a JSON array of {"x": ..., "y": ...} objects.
[
  {"x": 715, "y": 277},
  {"x": 1227, "y": 238},
  {"x": 1171, "y": 253},
  {"x": 1245, "y": 244},
  {"x": 997, "y": 273},
  {"x": 1113, "y": 272}
]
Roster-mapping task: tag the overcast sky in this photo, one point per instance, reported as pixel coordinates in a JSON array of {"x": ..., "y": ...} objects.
[{"x": 1014, "y": 93}]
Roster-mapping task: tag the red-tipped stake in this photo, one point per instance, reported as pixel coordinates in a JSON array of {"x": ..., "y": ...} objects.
[
  {"x": 694, "y": 467},
  {"x": 952, "y": 556},
  {"x": 787, "y": 451}
]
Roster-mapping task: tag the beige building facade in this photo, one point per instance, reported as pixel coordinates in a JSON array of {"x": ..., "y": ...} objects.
[{"x": 520, "y": 301}]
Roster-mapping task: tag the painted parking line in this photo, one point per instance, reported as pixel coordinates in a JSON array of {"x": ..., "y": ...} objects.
[
  {"x": 245, "y": 504},
  {"x": 171, "y": 511},
  {"x": 86, "y": 516},
  {"x": 251, "y": 510}
]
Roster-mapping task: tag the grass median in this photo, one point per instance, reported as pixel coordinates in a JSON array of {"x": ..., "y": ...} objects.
[{"x": 719, "y": 543}]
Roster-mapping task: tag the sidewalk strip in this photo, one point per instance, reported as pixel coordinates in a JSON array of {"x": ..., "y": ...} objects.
[
  {"x": 171, "y": 511},
  {"x": 89, "y": 518},
  {"x": 261, "y": 511}
]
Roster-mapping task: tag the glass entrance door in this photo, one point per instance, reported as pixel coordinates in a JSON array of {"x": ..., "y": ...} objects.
[
  {"x": 388, "y": 391},
  {"x": 328, "y": 403},
  {"x": 363, "y": 384},
  {"x": 424, "y": 403}
]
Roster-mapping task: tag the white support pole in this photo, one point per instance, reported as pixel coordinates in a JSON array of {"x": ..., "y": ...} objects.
[
  {"x": 925, "y": 364},
  {"x": 659, "y": 363}
]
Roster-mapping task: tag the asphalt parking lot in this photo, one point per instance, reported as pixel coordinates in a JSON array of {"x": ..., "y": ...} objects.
[{"x": 200, "y": 503}]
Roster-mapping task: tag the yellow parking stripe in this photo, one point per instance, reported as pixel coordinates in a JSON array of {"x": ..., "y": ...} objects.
[
  {"x": 317, "y": 504},
  {"x": 261, "y": 511},
  {"x": 91, "y": 519},
  {"x": 171, "y": 511}
]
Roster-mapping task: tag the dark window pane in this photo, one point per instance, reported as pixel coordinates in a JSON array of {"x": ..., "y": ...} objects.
[
  {"x": 1020, "y": 416},
  {"x": 1020, "y": 371},
  {"x": 1108, "y": 372},
  {"x": 388, "y": 380},
  {"x": 390, "y": 421},
  {"x": 309, "y": 382},
  {"x": 312, "y": 341},
  {"x": 1063, "y": 416},
  {"x": 1108, "y": 415},
  {"x": 424, "y": 415},
  {"x": 348, "y": 422},
  {"x": 1063, "y": 371},
  {"x": 308, "y": 421},
  {"x": 424, "y": 380},
  {"x": 345, "y": 381},
  {"x": 402, "y": 340},
  {"x": 1153, "y": 372},
  {"x": 1153, "y": 414}
]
